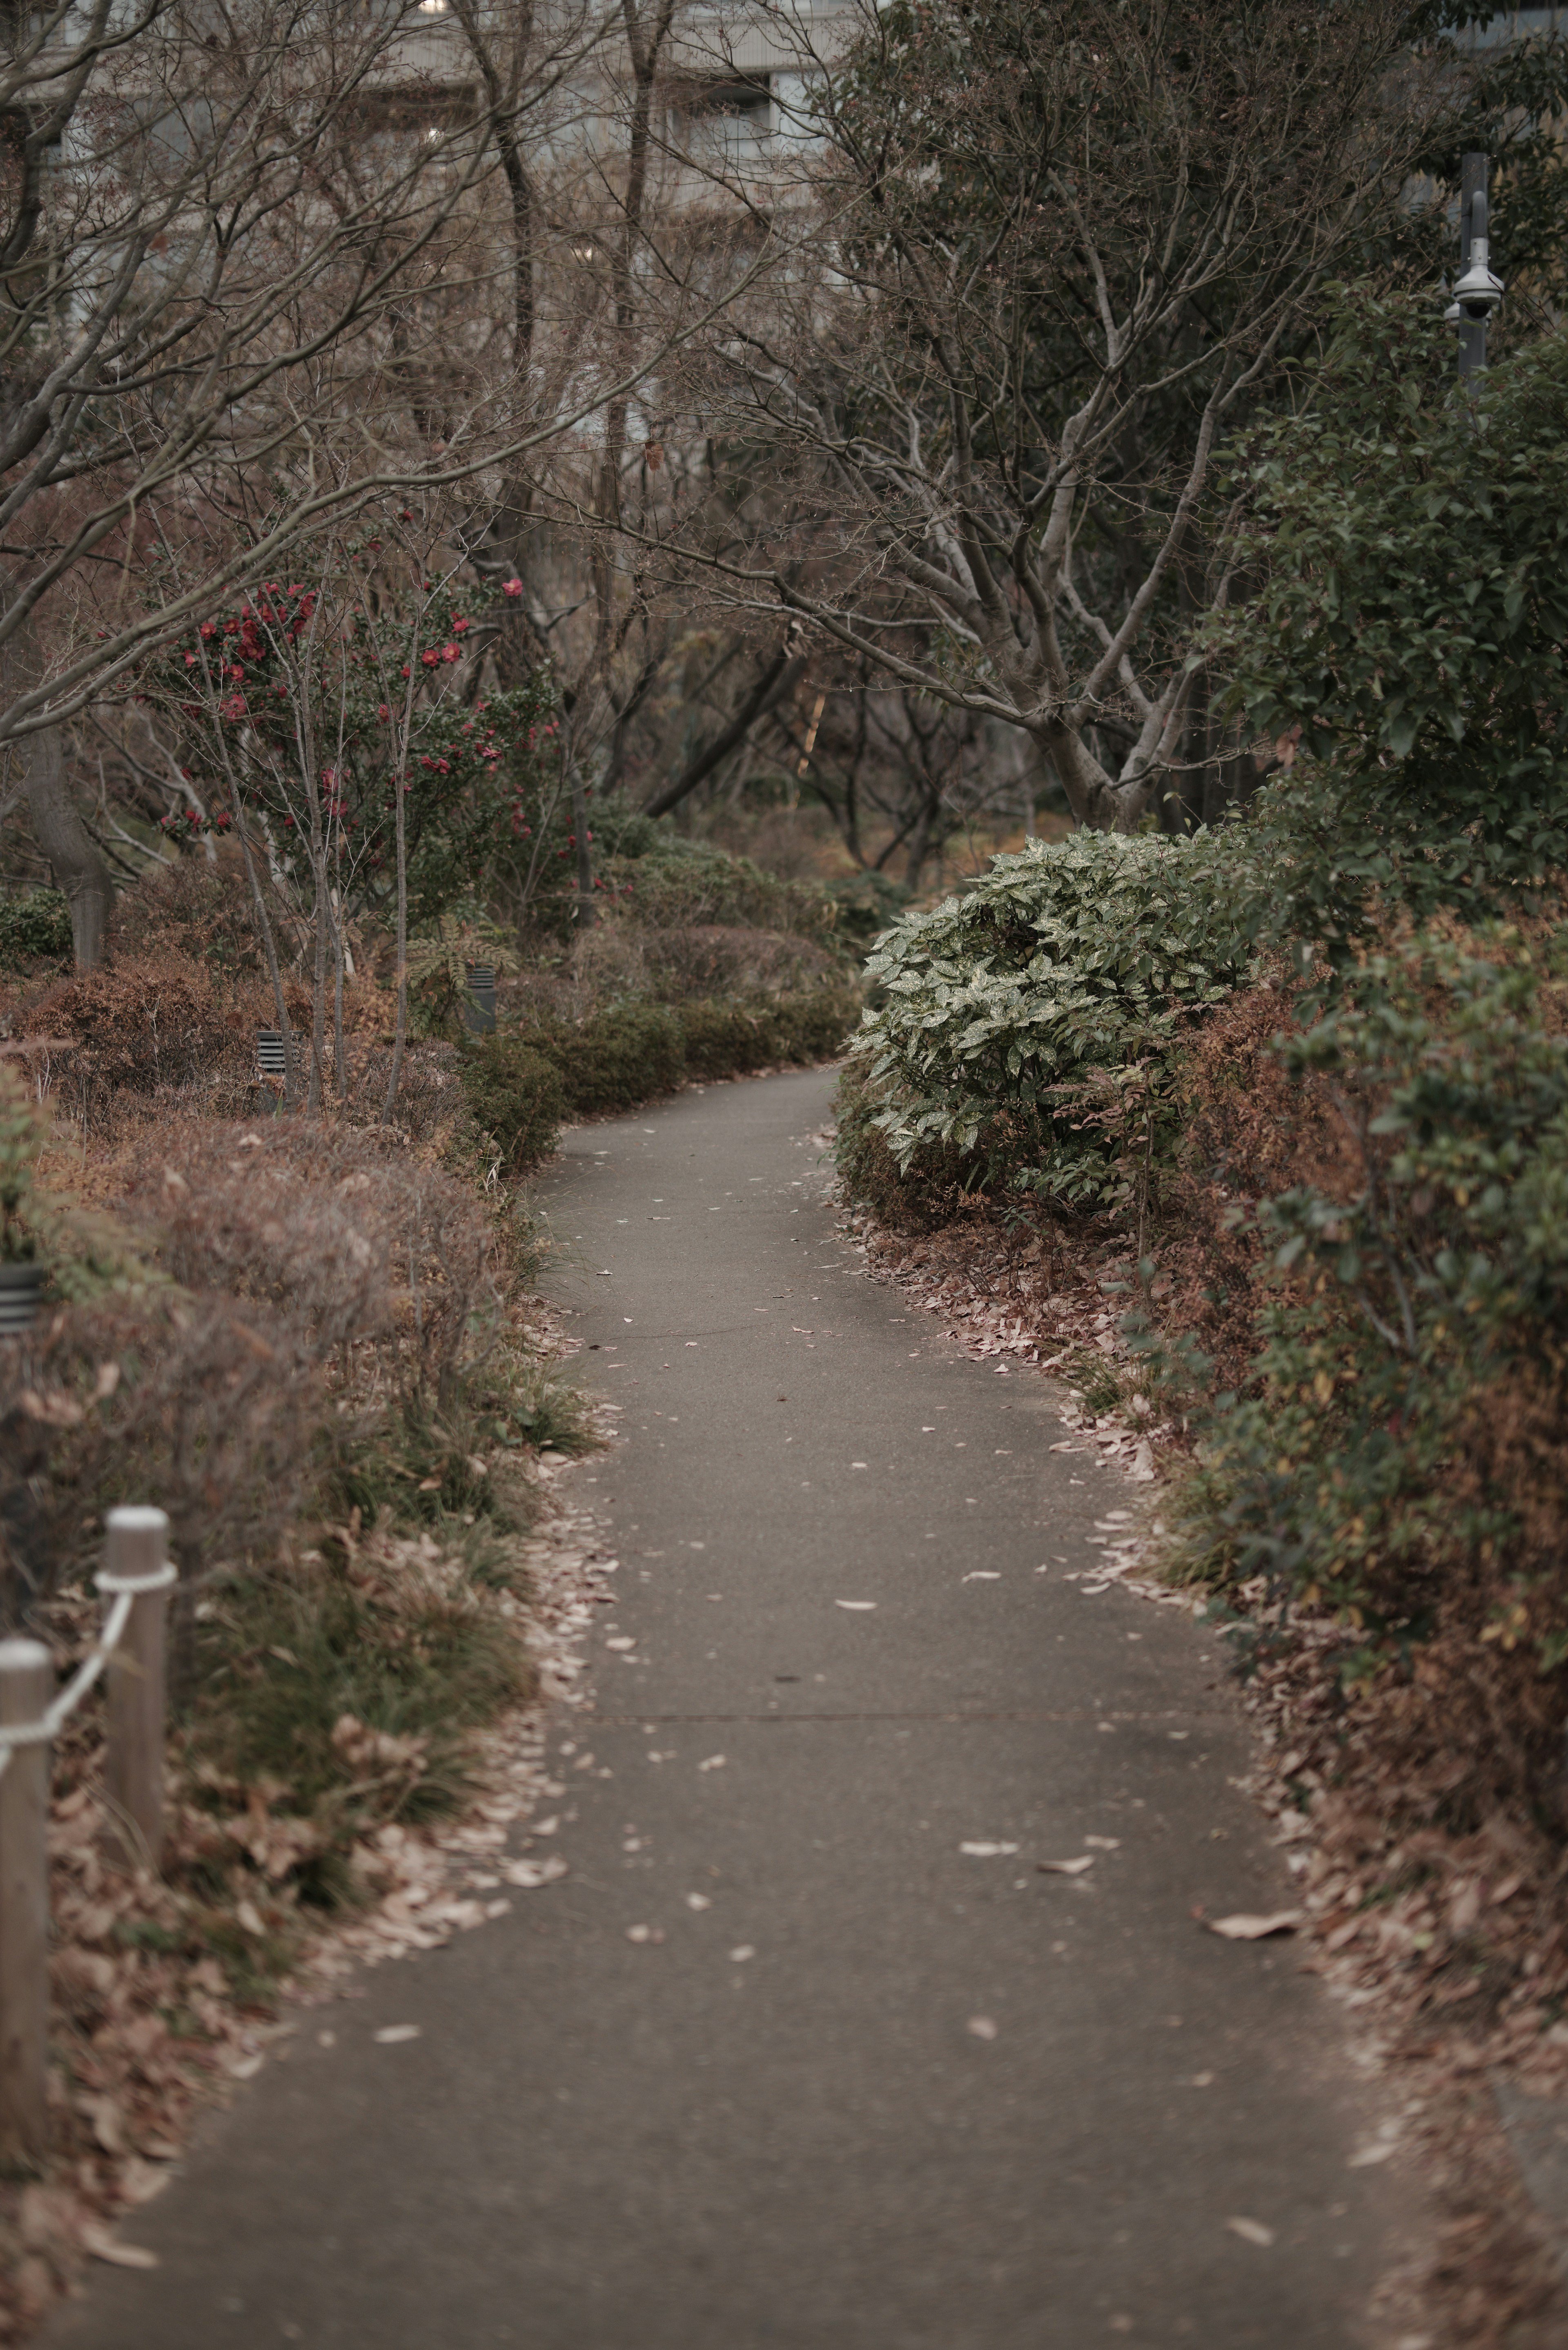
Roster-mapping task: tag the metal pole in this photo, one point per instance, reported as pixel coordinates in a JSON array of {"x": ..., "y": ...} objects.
[
  {"x": 27, "y": 1684},
  {"x": 133, "y": 1766},
  {"x": 1472, "y": 331}
]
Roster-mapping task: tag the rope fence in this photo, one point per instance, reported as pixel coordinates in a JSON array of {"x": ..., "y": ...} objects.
[{"x": 135, "y": 1579}]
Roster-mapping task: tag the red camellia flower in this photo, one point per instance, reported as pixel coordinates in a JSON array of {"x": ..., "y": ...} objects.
[
  {"x": 207, "y": 631},
  {"x": 190, "y": 661},
  {"x": 404, "y": 670},
  {"x": 382, "y": 712},
  {"x": 451, "y": 653},
  {"x": 429, "y": 660},
  {"x": 511, "y": 587},
  {"x": 461, "y": 628}
]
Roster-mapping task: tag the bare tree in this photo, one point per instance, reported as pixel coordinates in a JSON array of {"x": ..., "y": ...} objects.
[
  {"x": 247, "y": 271},
  {"x": 1064, "y": 248}
]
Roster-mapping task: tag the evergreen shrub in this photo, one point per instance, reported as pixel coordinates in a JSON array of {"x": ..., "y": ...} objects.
[
  {"x": 34, "y": 929},
  {"x": 1034, "y": 1025}
]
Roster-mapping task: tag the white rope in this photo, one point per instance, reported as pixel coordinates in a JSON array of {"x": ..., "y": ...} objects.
[{"x": 123, "y": 1590}]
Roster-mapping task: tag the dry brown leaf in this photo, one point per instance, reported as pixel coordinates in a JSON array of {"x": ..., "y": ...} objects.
[
  {"x": 1244, "y": 1928},
  {"x": 103, "y": 2246},
  {"x": 1065, "y": 1867},
  {"x": 1251, "y": 2232}
]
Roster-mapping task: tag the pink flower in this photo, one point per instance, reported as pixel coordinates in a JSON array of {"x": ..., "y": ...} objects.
[
  {"x": 512, "y": 588},
  {"x": 461, "y": 628},
  {"x": 451, "y": 653},
  {"x": 429, "y": 660}
]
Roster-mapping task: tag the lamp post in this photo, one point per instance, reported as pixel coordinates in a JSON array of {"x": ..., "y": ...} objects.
[{"x": 1478, "y": 290}]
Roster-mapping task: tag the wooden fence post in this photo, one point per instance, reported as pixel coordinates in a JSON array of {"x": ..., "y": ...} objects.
[
  {"x": 137, "y": 1550},
  {"x": 26, "y": 1686}
]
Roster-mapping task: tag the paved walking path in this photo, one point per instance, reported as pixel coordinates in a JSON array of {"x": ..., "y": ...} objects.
[{"x": 780, "y": 2126}]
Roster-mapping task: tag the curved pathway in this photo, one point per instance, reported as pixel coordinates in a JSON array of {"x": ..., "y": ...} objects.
[{"x": 871, "y": 2090}]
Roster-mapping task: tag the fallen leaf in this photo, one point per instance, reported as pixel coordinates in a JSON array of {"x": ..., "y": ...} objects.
[
  {"x": 141, "y": 2181},
  {"x": 620, "y": 1645},
  {"x": 105, "y": 2247},
  {"x": 745, "y": 1951},
  {"x": 1379, "y": 2152},
  {"x": 1067, "y": 1868},
  {"x": 857, "y": 1606},
  {"x": 1201, "y": 2081},
  {"x": 982, "y": 2027},
  {"x": 1104, "y": 1844},
  {"x": 529, "y": 1875},
  {"x": 697, "y": 1901},
  {"x": 1244, "y": 1929},
  {"x": 980, "y": 1574},
  {"x": 645, "y": 1933},
  {"x": 714, "y": 1762},
  {"x": 246, "y": 2068},
  {"x": 390, "y": 2035},
  {"x": 1251, "y": 2232},
  {"x": 986, "y": 1851},
  {"x": 107, "y": 2124}
]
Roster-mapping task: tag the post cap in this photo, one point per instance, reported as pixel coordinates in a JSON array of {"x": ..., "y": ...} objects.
[
  {"x": 21, "y": 1656},
  {"x": 136, "y": 1518}
]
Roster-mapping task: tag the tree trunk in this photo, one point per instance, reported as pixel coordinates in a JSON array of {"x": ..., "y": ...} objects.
[{"x": 79, "y": 865}]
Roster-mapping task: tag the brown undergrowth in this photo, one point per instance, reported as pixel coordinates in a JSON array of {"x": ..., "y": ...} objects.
[{"x": 311, "y": 1340}]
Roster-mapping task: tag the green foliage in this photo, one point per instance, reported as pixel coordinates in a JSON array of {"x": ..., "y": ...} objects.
[
  {"x": 675, "y": 882},
  {"x": 1412, "y": 1308},
  {"x": 927, "y": 1189},
  {"x": 516, "y": 1094},
  {"x": 724, "y": 1039},
  {"x": 868, "y": 903},
  {"x": 1031, "y": 1024},
  {"x": 522, "y": 1084},
  {"x": 614, "y": 1060},
  {"x": 415, "y": 1667},
  {"x": 34, "y": 929},
  {"x": 321, "y": 706},
  {"x": 1411, "y": 628}
]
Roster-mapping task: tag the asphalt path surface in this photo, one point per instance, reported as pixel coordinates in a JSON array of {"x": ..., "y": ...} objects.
[{"x": 871, "y": 2090}]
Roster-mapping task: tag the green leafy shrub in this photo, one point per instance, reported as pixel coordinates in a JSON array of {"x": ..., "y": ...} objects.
[
  {"x": 514, "y": 1092},
  {"x": 675, "y": 882},
  {"x": 1034, "y": 1024},
  {"x": 868, "y": 903},
  {"x": 725, "y": 1039},
  {"x": 613, "y": 1060},
  {"x": 34, "y": 929},
  {"x": 1423, "y": 1269},
  {"x": 1413, "y": 537},
  {"x": 930, "y": 1187},
  {"x": 521, "y": 1083}
]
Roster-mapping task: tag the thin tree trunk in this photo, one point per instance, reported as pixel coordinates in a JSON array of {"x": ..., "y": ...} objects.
[
  {"x": 79, "y": 865},
  {"x": 401, "y": 1035}
]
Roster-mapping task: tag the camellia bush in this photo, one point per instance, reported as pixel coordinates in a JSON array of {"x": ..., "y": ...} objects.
[
  {"x": 311, "y": 710},
  {"x": 1031, "y": 1025}
]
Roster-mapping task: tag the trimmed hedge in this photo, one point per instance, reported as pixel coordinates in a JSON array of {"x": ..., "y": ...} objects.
[
  {"x": 613, "y": 1061},
  {"x": 515, "y": 1094},
  {"x": 523, "y": 1083}
]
